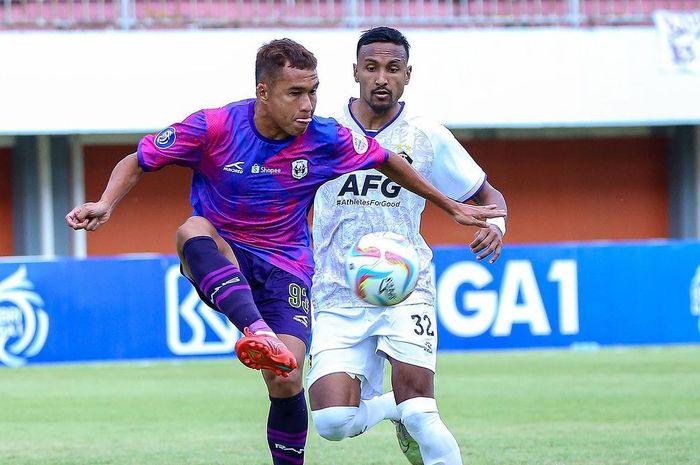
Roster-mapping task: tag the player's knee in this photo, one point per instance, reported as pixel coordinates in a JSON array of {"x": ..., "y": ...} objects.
[
  {"x": 418, "y": 413},
  {"x": 194, "y": 226},
  {"x": 334, "y": 423},
  {"x": 421, "y": 421},
  {"x": 277, "y": 386}
]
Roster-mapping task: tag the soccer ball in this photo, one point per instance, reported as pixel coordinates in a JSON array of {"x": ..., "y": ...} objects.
[{"x": 382, "y": 268}]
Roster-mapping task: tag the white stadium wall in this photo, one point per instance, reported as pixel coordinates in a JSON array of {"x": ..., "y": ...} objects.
[{"x": 134, "y": 82}]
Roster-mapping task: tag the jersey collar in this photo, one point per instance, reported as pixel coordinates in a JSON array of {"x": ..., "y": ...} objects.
[{"x": 351, "y": 117}]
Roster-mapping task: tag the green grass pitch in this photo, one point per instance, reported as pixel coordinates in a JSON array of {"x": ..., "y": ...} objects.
[{"x": 613, "y": 407}]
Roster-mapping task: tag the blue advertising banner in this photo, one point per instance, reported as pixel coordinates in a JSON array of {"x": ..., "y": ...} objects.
[
  {"x": 104, "y": 309},
  {"x": 564, "y": 295},
  {"x": 534, "y": 296}
]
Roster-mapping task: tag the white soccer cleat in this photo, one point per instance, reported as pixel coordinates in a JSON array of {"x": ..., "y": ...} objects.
[{"x": 408, "y": 445}]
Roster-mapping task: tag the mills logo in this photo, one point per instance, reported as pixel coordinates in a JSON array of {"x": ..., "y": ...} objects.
[{"x": 24, "y": 324}]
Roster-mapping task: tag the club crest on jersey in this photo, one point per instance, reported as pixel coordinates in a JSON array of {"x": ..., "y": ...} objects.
[
  {"x": 359, "y": 142},
  {"x": 165, "y": 138},
  {"x": 300, "y": 168}
]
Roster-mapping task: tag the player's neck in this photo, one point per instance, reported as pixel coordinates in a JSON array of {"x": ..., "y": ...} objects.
[
  {"x": 265, "y": 125},
  {"x": 369, "y": 118}
]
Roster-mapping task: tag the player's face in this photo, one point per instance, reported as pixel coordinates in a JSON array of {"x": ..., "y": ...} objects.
[
  {"x": 382, "y": 71},
  {"x": 291, "y": 99}
]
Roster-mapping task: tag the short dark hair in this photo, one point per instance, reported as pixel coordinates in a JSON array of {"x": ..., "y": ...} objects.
[
  {"x": 275, "y": 55},
  {"x": 383, "y": 34}
]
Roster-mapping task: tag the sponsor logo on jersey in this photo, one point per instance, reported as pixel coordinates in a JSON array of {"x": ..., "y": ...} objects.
[
  {"x": 165, "y": 138},
  {"x": 371, "y": 182},
  {"x": 300, "y": 168},
  {"x": 367, "y": 203},
  {"x": 236, "y": 167},
  {"x": 24, "y": 324},
  {"x": 359, "y": 142},
  {"x": 261, "y": 169}
]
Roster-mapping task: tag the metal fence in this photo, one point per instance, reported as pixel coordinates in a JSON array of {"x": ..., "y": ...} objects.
[{"x": 150, "y": 14}]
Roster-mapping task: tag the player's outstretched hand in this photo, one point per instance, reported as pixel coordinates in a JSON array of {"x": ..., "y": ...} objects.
[
  {"x": 476, "y": 215},
  {"x": 88, "y": 216},
  {"x": 487, "y": 241}
]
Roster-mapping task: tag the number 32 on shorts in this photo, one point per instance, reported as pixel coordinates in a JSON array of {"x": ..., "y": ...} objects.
[{"x": 423, "y": 325}]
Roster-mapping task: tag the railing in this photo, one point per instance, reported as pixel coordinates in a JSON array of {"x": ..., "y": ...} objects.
[{"x": 148, "y": 14}]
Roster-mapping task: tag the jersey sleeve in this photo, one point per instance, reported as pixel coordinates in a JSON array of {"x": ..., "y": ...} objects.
[
  {"x": 357, "y": 152},
  {"x": 455, "y": 173},
  {"x": 180, "y": 144}
]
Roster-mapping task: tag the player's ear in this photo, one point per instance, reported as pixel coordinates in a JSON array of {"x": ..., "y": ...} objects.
[
  {"x": 261, "y": 91},
  {"x": 408, "y": 74},
  {"x": 354, "y": 72}
]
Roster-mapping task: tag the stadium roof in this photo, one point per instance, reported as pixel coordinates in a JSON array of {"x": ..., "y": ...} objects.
[{"x": 130, "y": 82}]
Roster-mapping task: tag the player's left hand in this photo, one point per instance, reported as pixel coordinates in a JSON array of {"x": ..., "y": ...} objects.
[
  {"x": 475, "y": 215},
  {"x": 487, "y": 241}
]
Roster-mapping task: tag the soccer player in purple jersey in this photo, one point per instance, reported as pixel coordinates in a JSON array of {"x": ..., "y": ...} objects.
[{"x": 256, "y": 167}]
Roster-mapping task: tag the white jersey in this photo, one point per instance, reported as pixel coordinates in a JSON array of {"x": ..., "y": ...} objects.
[{"x": 358, "y": 203}]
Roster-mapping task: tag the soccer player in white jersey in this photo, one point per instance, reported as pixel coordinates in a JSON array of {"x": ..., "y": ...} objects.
[{"x": 351, "y": 338}]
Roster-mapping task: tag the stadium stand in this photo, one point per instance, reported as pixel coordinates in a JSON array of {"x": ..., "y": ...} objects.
[{"x": 150, "y": 14}]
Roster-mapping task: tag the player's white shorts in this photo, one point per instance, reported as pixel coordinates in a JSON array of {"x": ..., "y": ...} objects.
[{"x": 357, "y": 340}]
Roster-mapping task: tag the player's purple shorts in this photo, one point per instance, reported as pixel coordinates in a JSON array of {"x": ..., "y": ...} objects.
[{"x": 282, "y": 298}]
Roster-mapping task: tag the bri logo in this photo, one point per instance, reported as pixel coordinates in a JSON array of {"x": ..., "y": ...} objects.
[
  {"x": 192, "y": 327},
  {"x": 24, "y": 324},
  {"x": 165, "y": 138}
]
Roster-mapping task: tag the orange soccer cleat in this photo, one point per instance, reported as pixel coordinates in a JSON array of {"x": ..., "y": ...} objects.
[{"x": 265, "y": 352}]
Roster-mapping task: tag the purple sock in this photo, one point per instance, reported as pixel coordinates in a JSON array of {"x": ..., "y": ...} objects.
[
  {"x": 219, "y": 279},
  {"x": 287, "y": 425}
]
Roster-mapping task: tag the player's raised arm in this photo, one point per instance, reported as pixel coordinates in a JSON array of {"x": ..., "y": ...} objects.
[
  {"x": 401, "y": 172},
  {"x": 92, "y": 215}
]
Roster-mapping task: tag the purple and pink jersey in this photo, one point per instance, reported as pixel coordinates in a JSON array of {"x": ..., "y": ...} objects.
[{"x": 256, "y": 191}]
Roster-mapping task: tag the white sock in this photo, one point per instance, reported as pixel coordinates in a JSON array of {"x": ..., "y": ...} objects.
[
  {"x": 422, "y": 421},
  {"x": 266, "y": 333},
  {"x": 385, "y": 407}
]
